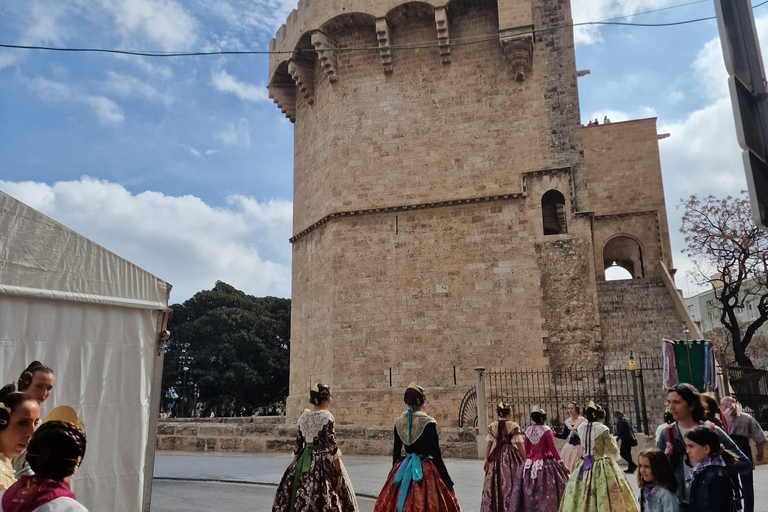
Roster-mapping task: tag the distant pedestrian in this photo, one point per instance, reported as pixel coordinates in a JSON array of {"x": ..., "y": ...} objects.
[
  {"x": 504, "y": 454},
  {"x": 710, "y": 485},
  {"x": 541, "y": 481},
  {"x": 741, "y": 428},
  {"x": 596, "y": 122},
  {"x": 213, "y": 414},
  {"x": 590, "y": 123},
  {"x": 597, "y": 483},
  {"x": 316, "y": 480},
  {"x": 419, "y": 481},
  {"x": 55, "y": 453},
  {"x": 712, "y": 408},
  {"x": 668, "y": 420},
  {"x": 571, "y": 452},
  {"x": 606, "y": 120},
  {"x": 626, "y": 436},
  {"x": 657, "y": 482}
]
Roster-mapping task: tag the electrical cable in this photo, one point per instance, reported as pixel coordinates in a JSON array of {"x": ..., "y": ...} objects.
[{"x": 609, "y": 22}]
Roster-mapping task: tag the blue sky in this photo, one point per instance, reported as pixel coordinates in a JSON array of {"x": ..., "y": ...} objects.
[{"x": 184, "y": 165}]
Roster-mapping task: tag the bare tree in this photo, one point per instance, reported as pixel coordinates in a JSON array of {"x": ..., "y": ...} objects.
[{"x": 730, "y": 254}]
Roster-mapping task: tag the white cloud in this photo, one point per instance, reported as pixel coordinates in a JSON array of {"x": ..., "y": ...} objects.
[
  {"x": 163, "y": 22},
  {"x": 225, "y": 82},
  {"x": 599, "y": 10},
  {"x": 236, "y": 134},
  {"x": 129, "y": 86},
  {"x": 249, "y": 15},
  {"x": 106, "y": 110},
  {"x": 180, "y": 239}
]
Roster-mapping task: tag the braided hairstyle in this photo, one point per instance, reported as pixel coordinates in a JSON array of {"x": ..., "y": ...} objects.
[
  {"x": 414, "y": 398},
  {"x": 320, "y": 396},
  {"x": 56, "y": 450},
  {"x": 10, "y": 400},
  {"x": 25, "y": 379}
]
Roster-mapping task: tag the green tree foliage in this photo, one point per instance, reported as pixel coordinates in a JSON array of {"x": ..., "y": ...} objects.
[{"x": 236, "y": 347}]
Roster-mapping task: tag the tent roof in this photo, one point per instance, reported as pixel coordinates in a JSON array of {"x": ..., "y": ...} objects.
[{"x": 41, "y": 258}]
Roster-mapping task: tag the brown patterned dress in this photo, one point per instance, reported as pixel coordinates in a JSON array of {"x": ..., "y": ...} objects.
[{"x": 310, "y": 482}]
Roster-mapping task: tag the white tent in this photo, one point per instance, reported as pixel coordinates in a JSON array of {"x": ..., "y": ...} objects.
[{"x": 96, "y": 319}]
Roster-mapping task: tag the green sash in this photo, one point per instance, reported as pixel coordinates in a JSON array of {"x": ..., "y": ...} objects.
[{"x": 302, "y": 467}]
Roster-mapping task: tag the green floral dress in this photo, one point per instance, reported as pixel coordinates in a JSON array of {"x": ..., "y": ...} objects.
[{"x": 603, "y": 487}]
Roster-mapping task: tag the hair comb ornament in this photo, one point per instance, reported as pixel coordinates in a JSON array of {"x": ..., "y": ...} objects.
[
  {"x": 591, "y": 405},
  {"x": 501, "y": 405},
  {"x": 316, "y": 388},
  {"x": 65, "y": 414},
  {"x": 413, "y": 385}
]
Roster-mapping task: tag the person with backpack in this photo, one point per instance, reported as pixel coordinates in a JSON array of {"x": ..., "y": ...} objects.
[
  {"x": 687, "y": 409},
  {"x": 626, "y": 435}
]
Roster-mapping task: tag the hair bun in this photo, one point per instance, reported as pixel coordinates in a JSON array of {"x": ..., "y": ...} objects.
[{"x": 319, "y": 394}]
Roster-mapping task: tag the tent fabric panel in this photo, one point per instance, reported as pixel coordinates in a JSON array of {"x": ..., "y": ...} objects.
[
  {"x": 103, "y": 358},
  {"x": 38, "y": 252}
]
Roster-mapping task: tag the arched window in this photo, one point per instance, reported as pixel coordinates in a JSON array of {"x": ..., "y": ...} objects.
[
  {"x": 626, "y": 253},
  {"x": 553, "y": 213}
]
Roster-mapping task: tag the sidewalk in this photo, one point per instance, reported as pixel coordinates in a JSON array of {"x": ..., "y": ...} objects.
[{"x": 367, "y": 473}]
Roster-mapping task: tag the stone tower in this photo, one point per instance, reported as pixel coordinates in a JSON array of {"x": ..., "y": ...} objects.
[{"x": 444, "y": 215}]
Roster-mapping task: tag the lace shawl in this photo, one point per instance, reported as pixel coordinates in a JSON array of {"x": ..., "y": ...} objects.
[
  {"x": 311, "y": 423},
  {"x": 534, "y": 433},
  {"x": 597, "y": 429},
  {"x": 573, "y": 426},
  {"x": 7, "y": 475},
  {"x": 419, "y": 421}
]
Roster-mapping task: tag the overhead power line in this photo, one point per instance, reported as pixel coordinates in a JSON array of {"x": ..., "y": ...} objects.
[{"x": 494, "y": 37}]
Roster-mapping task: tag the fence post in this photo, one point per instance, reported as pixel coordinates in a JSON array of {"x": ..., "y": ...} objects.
[
  {"x": 482, "y": 411},
  {"x": 646, "y": 427}
]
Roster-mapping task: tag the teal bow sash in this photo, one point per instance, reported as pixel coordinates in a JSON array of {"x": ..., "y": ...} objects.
[
  {"x": 409, "y": 470},
  {"x": 303, "y": 463}
]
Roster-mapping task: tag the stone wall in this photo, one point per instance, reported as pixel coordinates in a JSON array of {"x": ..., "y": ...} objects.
[{"x": 272, "y": 435}]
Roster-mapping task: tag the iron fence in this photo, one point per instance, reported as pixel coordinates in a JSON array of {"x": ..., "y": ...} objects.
[{"x": 750, "y": 387}]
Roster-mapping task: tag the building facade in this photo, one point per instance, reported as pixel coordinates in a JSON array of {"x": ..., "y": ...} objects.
[{"x": 450, "y": 211}]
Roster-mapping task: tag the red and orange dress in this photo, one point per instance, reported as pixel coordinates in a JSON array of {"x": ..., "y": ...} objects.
[{"x": 418, "y": 481}]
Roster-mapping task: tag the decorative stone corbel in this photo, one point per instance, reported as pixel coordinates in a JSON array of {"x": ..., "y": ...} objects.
[
  {"x": 326, "y": 54},
  {"x": 443, "y": 37},
  {"x": 285, "y": 98},
  {"x": 384, "y": 36},
  {"x": 303, "y": 73},
  {"x": 517, "y": 45}
]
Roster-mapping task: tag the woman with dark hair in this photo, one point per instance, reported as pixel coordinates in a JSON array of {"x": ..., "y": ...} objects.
[
  {"x": 710, "y": 485},
  {"x": 19, "y": 414},
  {"x": 712, "y": 408},
  {"x": 572, "y": 450},
  {"x": 36, "y": 381},
  {"x": 541, "y": 481},
  {"x": 316, "y": 480},
  {"x": 419, "y": 481},
  {"x": 55, "y": 452},
  {"x": 686, "y": 406},
  {"x": 503, "y": 456},
  {"x": 597, "y": 483},
  {"x": 626, "y": 436}
]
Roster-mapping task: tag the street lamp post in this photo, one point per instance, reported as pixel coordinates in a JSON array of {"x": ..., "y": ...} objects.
[{"x": 184, "y": 387}]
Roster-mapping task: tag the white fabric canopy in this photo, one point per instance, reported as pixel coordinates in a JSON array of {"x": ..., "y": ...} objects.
[{"x": 95, "y": 319}]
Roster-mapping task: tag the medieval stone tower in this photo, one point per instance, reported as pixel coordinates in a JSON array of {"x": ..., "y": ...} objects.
[{"x": 449, "y": 209}]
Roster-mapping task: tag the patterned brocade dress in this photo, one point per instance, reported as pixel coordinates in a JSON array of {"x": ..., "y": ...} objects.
[
  {"x": 503, "y": 463},
  {"x": 309, "y": 483},
  {"x": 418, "y": 482},
  {"x": 597, "y": 483},
  {"x": 541, "y": 479}
]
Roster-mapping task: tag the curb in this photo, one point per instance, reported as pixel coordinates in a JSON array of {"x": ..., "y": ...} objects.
[{"x": 241, "y": 482}]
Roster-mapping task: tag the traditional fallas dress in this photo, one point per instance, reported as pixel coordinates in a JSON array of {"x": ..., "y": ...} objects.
[
  {"x": 309, "y": 483},
  {"x": 418, "y": 481},
  {"x": 571, "y": 452},
  {"x": 597, "y": 483},
  {"x": 503, "y": 463},
  {"x": 541, "y": 480}
]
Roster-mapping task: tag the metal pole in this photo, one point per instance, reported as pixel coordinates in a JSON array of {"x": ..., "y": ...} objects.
[
  {"x": 482, "y": 410},
  {"x": 646, "y": 427}
]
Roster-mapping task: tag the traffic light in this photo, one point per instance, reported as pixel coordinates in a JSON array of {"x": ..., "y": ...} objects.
[{"x": 747, "y": 84}]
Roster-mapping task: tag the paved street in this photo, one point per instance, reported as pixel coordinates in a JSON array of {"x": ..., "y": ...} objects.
[{"x": 246, "y": 481}]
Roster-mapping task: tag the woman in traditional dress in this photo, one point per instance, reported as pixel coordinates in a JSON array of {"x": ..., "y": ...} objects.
[
  {"x": 36, "y": 381},
  {"x": 418, "y": 481},
  {"x": 503, "y": 456},
  {"x": 54, "y": 454},
  {"x": 571, "y": 452},
  {"x": 597, "y": 483},
  {"x": 541, "y": 480},
  {"x": 19, "y": 415},
  {"x": 316, "y": 480}
]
